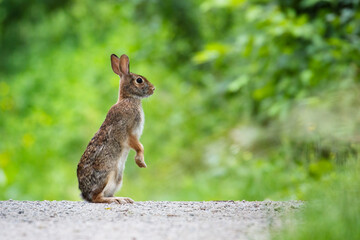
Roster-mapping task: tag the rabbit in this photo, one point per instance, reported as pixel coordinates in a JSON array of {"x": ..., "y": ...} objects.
[{"x": 101, "y": 167}]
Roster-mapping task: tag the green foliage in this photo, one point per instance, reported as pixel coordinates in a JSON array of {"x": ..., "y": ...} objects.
[
  {"x": 334, "y": 212},
  {"x": 255, "y": 99}
]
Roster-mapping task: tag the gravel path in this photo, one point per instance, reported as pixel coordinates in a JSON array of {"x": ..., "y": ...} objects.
[{"x": 141, "y": 220}]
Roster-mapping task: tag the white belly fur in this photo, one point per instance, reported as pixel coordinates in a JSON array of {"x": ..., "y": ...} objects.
[
  {"x": 113, "y": 185},
  {"x": 139, "y": 129}
]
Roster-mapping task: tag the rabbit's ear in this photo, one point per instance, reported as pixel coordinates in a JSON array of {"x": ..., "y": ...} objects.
[
  {"x": 124, "y": 64},
  {"x": 115, "y": 64}
]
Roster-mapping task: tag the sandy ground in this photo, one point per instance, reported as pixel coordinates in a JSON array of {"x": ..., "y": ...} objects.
[{"x": 141, "y": 220}]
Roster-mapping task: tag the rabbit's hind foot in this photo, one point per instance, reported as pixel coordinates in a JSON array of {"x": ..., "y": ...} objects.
[{"x": 118, "y": 200}]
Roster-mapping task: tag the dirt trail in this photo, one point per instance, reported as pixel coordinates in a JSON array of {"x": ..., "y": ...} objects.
[{"x": 141, "y": 220}]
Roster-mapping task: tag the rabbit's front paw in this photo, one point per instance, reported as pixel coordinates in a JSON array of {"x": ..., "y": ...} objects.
[{"x": 139, "y": 159}]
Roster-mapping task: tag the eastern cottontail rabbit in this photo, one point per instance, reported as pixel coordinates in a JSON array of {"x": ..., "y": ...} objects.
[{"x": 100, "y": 170}]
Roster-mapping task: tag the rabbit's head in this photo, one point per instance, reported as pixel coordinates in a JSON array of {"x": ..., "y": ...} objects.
[{"x": 131, "y": 84}]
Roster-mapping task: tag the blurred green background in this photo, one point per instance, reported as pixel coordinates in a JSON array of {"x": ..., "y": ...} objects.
[{"x": 255, "y": 99}]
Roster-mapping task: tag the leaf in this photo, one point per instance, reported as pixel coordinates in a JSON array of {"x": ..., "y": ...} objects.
[
  {"x": 263, "y": 92},
  {"x": 238, "y": 83},
  {"x": 210, "y": 4},
  {"x": 211, "y": 52},
  {"x": 317, "y": 169}
]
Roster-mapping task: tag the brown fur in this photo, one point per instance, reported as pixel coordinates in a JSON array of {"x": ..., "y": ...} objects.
[
  {"x": 138, "y": 147},
  {"x": 101, "y": 166}
]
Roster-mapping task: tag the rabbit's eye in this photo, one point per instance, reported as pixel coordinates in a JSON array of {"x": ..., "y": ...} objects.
[{"x": 139, "y": 80}]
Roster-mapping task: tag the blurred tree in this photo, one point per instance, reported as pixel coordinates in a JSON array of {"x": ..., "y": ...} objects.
[
  {"x": 13, "y": 14},
  {"x": 183, "y": 19}
]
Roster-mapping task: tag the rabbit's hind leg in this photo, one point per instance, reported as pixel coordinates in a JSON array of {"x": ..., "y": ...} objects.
[{"x": 107, "y": 194}]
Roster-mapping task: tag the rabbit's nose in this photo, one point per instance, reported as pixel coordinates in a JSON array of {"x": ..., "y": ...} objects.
[{"x": 153, "y": 88}]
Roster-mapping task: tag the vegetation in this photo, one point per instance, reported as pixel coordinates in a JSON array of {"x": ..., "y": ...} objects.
[
  {"x": 255, "y": 99},
  {"x": 334, "y": 210}
]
